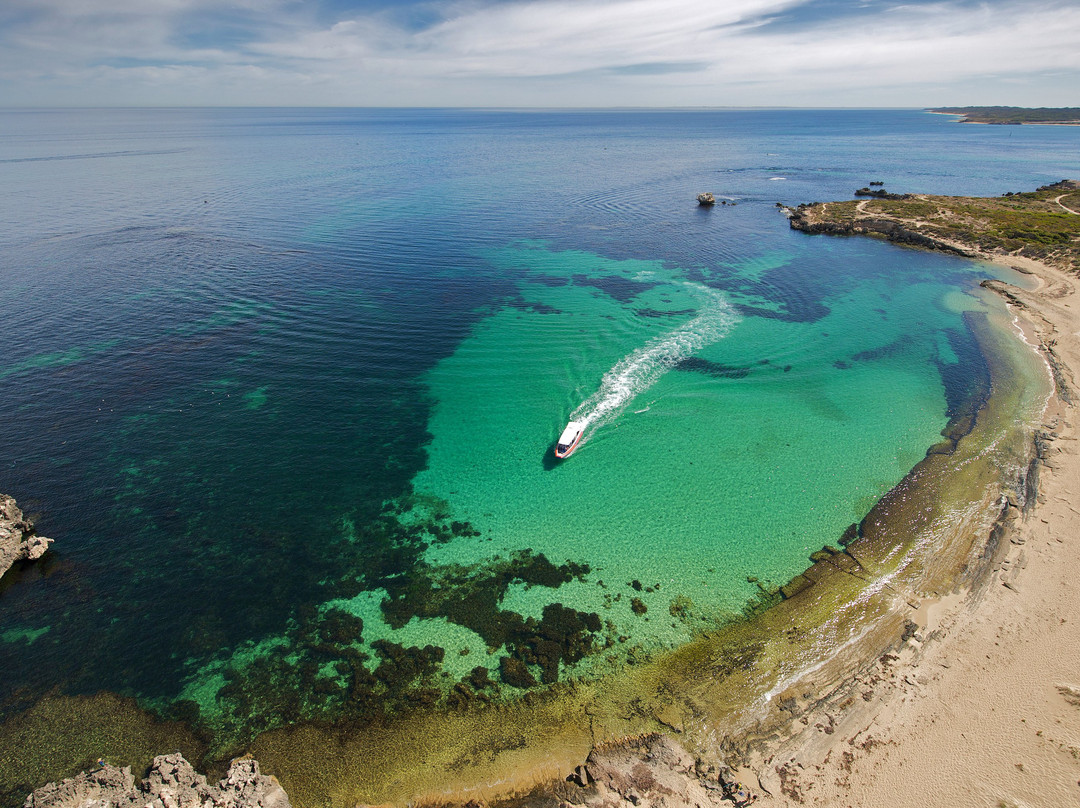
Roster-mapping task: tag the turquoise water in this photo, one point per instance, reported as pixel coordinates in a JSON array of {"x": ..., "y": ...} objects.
[{"x": 285, "y": 386}]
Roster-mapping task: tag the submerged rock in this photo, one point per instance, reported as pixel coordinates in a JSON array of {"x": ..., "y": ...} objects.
[
  {"x": 515, "y": 673},
  {"x": 18, "y": 540},
  {"x": 171, "y": 783}
]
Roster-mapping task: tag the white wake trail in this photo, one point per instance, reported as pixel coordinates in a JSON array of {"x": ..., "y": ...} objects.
[{"x": 639, "y": 371}]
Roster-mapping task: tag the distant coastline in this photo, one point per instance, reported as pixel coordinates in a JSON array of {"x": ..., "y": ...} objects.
[{"x": 1014, "y": 116}]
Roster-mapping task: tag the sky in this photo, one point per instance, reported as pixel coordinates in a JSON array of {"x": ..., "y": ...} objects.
[{"x": 540, "y": 53}]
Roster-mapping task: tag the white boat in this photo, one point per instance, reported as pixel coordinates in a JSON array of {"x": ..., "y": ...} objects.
[{"x": 569, "y": 439}]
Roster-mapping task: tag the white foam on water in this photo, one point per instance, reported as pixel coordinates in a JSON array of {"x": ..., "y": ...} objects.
[{"x": 639, "y": 371}]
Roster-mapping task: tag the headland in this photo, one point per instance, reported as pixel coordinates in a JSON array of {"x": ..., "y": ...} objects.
[{"x": 1014, "y": 116}]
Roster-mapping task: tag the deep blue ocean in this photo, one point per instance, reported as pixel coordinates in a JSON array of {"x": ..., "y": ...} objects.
[{"x": 282, "y": 385}]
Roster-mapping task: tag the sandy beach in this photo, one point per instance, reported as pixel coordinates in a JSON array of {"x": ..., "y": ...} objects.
[
  {"x": 986, "y": 709},
  {"x": 979, "y": 706}
]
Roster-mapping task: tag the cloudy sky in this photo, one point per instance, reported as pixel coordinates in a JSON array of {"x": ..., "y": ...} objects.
[{"x": 523, "y": 53}]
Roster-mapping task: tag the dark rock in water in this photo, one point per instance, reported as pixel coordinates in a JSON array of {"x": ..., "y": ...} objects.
[
  {"x": 824, "y": 554},
  {"x": 480, "y": 678},
  {"x": 515, "y": 673},
  {"x": 171, "y": 782},
  {"x": 340, "y": 627},
  {"x": 401, "y": 666},
  {"x": 637, "y": 606},
  {"x": 547, "y": 654},
  {"x": 473, "y": 601},
  {"x": 851, "y": 532},
  {"x": 18, "y": 540},
  {"x": 706, "y": 199}
]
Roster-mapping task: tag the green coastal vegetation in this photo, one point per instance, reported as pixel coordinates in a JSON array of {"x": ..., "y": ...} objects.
[
  {"x": 1014, "y": 115},
  {"x": 1043, "y": 225}
]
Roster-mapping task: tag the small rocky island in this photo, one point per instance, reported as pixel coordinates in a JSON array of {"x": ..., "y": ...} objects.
[
  {"x": 18, "y": 539},
  {"x": 1041, "y": 225}
]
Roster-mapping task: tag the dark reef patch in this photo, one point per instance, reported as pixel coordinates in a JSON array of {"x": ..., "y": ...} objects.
[
  {"x": 515, "y": 674},
  {"x": 717, "y": 370},
  {"x": 562, "y": 634},
  {"x": 616, "y": 286},
  {"x": 321, "y": 669},
  {"x": 548, "y": 280},
  {"x": 885, "y": 351},
  {"x": 799, "y": 311},
  {"x": 661, "y": 313},
  {"x": 519, "y": 302},
  {"x": 967, "y": 386},
  {"x": 471, "y": 598}
]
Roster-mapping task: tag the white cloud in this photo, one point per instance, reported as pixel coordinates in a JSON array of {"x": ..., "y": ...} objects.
[{"x": 589, "y": 52}]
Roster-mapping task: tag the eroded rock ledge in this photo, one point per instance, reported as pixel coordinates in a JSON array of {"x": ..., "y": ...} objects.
[
  {"x": 1041, "y": 225},
  {"x": 809, "y": 220},
  {"x": 18, "y": 540},
  {"x": 171, "y": 783}
]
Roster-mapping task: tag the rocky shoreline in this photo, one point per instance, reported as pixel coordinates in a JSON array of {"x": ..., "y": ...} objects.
[
  {"x": 801, "y": 218},
  {"x": 18, "y": 539},
  {"x": 170, "y": 783},
  {"x": 1042, "y": 225}
]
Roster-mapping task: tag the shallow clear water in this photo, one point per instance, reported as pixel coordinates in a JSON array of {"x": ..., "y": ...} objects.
[{"x": 268, "y": 371}]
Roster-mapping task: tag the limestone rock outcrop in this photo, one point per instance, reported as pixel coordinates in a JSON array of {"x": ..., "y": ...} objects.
[
  {"x": 18, "y": 541},
  {"x": 800, "y": 218},
  {"x": 171, "y": 783}
]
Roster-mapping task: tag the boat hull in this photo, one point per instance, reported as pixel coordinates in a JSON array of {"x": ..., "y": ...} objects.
[
  {"x": 569, "y": 450},
  {"x": 569, "y": 439}
]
